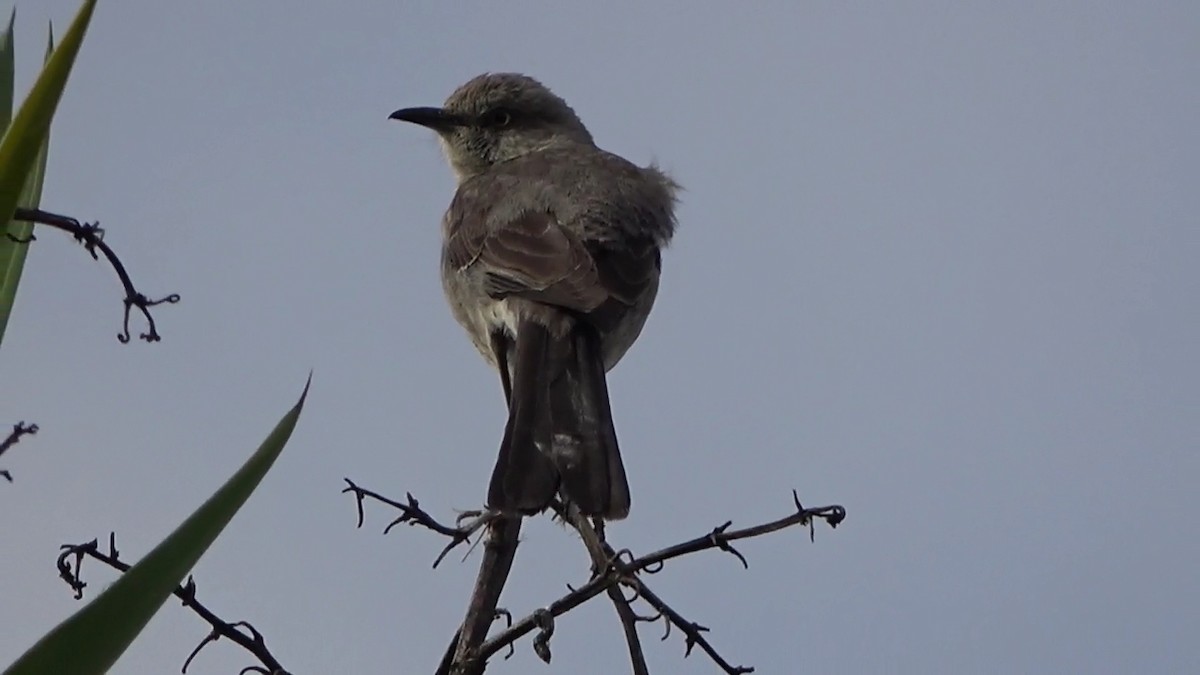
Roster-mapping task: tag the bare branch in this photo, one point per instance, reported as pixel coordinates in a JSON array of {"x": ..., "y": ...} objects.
[
  {"x": 720, "y": 537},
  {"x": 601, "y": 554},
  {"x": 621, "y": 571},
  {"x": 413, "y": 514},
  {"x": 604, "y": 554},
  {"x": 500, "y": 546},
  {"x": 240, "y": 632},
  {"x": 92, "y": 238},
  {"x": 19, "y": 429},
  {"x": 557, "y": 608},
  {"x": 612, "y": 570},
  {"x": 691, "y": 630},
  {"x": 499, "y": 550}
]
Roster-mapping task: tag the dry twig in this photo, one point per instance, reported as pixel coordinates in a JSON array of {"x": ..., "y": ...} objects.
[
  {"x": 611, "y": 569},
  {"x": 92, "y": 238},
  {"x": 500, "y": 546},
  {"x": 19, "y": 429},
  {"x": 592, "y": 534},
  {"x": 240, "y": 632},
  {"x": 412, "y": 514}
]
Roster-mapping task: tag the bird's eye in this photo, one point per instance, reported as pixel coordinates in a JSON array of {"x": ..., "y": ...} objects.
[{"x": 497, "y": 117}]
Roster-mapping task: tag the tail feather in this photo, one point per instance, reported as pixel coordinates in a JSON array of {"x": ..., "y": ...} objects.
[
  {"x": 585, "y": 442},
  {"x": 525, "y": 478},
  {"x": 560, "y": 433}
]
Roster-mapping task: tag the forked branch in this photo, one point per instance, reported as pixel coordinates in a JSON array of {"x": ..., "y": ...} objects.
[
  {"x": 612, "y": 570},
  {"x": 91, "y": 236},
  {"x": 240, "y": 632}
]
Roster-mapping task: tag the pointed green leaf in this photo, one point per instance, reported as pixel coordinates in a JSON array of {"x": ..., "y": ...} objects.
[
  {"x": 12, "y": 253},
  {"x": 31, "y": 123},
  {"x": 8, "y": 69},
  {"x": 92, "y": 639}
]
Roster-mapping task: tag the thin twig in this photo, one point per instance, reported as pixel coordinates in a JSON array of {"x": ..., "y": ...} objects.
[
  {"x": 561, "y": 606},
  {"x": 413, "y": 514},
  {"x": 720, "y": 536},
  {"x": 500, "y": 544},
  {"x": 250, "y": 640},
  {"x": 601, "y": 555},
  {"x": 92, "y": 238},
  {"x": 19, "y": 429},
  {"x": 692, "y": 631},
  {"x": 601, "y": 551}
]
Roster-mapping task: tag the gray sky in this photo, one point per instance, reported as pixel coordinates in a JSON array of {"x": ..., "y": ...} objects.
[{"x": 936, "y": 262}]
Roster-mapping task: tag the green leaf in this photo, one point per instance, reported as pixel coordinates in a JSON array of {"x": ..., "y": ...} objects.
[
  {"x": 12, "y": 254},
  {"x": 24, "y": 136},
  {"x": 92, "y": 639},
  {"x": 8, "y": 69}
]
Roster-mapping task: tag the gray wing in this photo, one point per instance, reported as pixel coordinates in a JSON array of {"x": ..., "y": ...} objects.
[{"x": 533, "y": 257}]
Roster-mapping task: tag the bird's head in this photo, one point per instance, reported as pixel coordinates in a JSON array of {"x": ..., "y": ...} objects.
[{"x": 496, "y": 117}]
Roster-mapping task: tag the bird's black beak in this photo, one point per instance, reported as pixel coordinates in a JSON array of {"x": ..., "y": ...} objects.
[{"x": 438, "y": 119}]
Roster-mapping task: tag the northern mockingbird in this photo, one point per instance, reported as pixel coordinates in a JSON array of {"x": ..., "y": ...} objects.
[{"x": 550, "y": 261}]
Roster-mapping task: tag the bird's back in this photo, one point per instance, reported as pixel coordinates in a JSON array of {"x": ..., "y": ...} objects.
[
  {"x": 619, "y": 213},
  {"x": 597, "y": 195}
]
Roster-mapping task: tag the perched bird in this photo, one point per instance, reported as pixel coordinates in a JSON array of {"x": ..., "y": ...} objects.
[{"x": 550, "y": 261}]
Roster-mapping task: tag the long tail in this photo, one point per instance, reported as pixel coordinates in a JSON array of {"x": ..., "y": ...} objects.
[
  {"x": 525, "y": 478},
  {"x": 559, "y": 402},
  {"x": 585, "y": 442}
]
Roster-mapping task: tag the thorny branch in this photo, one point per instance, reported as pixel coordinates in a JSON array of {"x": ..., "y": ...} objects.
[
  {"x": 92, "y": 238},
  {"x": 19, "y": 429},
  {"x": 500, "y": 547},
  {"x": 692, "y": 631},
  {"x": 240, "y": 632},
  {"x": 601, "y": 553},
  {"x": 412, "y": 513},
  {"x": 613, "y": 569},
  {"x": 499, "y": 551}
]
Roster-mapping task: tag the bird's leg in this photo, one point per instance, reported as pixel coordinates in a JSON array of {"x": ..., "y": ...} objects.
[
  {"x": 500, "y": 349},
  {"x": 470, "y": 522}
]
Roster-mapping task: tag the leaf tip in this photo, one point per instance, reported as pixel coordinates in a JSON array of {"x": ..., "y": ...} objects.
[{"x": 307, "y": 385}]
